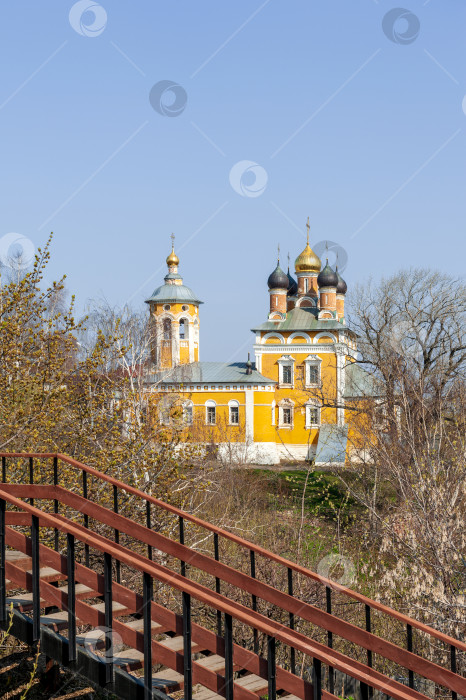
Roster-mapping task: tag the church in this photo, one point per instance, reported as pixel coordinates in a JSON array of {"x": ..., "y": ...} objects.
[{"x": 290, "y": 404}]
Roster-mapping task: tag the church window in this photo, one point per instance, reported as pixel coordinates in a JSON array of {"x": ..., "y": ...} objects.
[
  {"x": 286, "y": 370},
  {"x": 234, "y": 412},
  {"x": 210, "y": 413},
  {"x": 188, "y": 412},
  {"x": 167, "y": 329},
  {"x": 312, "y": 415},
  {"x": 313, "y": 370},
  {"x": 285, "y": 413},
  {"x": 287, "y": 374},
  {"x": 184, "y": 307},
  {"x": 313, "y": 374},
  {"x": 167, "y": 307},
  {"x": 306, "y": 284},
  {"x": 183, "y": 329}
]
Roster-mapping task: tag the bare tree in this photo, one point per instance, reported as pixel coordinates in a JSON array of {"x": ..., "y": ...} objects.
[{"x": 412, "y": 470}]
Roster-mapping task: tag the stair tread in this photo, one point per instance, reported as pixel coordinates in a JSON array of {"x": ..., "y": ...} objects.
[
  {"x": 21, "y": 599},
  {"x": 116, "y": 607},
  {"x": 206, "y": 694},
  {"x": 46, "y": 571},
  {"x": 138, "y": 625},
  {"x": 168, "y": 677},
  {"x": 127, "y": 656},
  {"x": 91, "y": 638},
  {"x": 14, "y": 555},
  {"x": 213, "y": 662},
  {"x": 176, "y": 644},
  {"x": 80, "y": 588},
  {"x": 252, "y": 682},
  {"x": 59, "y": 617}
]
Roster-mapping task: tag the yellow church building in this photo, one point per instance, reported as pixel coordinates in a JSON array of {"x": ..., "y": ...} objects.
[{"x": 289, "y": 405}]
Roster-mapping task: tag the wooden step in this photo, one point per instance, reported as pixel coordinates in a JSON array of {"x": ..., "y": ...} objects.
[
  {"x": 22, "y": 601},
  {"x": 129, "y": 659},
  {"x": 138, "y": 625},
  {"x": 116, "y": 608},
  {"x": 48, "y": 574},
  {"x": 253, "y": 683},
  {"x": 56, "y": 621},
  {"x": 167, "y": 680},
  {"x": 94, "y": 639},
  {"x": 213, "y": 663},
  {"x": 177, "y": 644},
  {"x": 81, "y": 591},
  {"x": 206, "y": 694},
  {"x": 23, "y": 561}
]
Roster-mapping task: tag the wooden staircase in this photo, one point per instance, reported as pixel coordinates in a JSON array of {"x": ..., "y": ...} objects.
[{"x": 74, "y": 602}]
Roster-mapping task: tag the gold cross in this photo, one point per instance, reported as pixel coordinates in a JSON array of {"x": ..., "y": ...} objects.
[
  {"x": 308, "y": 227},
  {"x": 278, "y": 247},
  {"x": 172, "y": 236}
]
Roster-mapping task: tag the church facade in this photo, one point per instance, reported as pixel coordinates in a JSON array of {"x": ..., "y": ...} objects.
[{"x": 290, "y": 403}]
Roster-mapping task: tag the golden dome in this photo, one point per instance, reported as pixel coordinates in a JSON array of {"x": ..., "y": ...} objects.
[
  {"x": 307, "y": 261},
  {"x": 173, "y": 259}
]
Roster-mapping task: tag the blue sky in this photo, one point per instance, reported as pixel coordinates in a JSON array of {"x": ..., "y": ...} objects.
[{"x": 364, "y": 133}]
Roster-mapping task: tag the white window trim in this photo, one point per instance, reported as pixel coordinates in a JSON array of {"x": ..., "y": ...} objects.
[
  {"x": 210, "y": 404},
  {"x": 313, "y": 360},
  {"x": 285, "y": 403},
  {"x": 188, "y": 404},
  {"x": 286, "y": 360},
  {"x": 232, "y": 404},
  {"x": 308, "y": 406}
]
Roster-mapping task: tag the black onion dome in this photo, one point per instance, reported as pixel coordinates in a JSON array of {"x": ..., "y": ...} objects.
[
  {"x": 292, "y": 285},
  {"x": 341, "y": 286},
  {"x": 327, "y": 277},
  {"x": 278, "y": 279}
]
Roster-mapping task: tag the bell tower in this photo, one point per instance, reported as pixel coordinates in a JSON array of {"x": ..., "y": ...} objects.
[{"x": 174, "y": 310}]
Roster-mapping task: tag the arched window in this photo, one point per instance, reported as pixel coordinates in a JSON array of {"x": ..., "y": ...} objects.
[
  {"x": 286, "y": 413},
  {"x": 312, "y": 414},
  {"x": 210, "y": 412},
  {"x": 188, "y": 412},
  {"x": 183, "y": 329},
  {"x": 167, "y": 329},
  {"x": 233, "y": 407}
]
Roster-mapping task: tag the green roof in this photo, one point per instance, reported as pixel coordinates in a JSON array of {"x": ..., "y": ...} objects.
[
  {"x": 359, "y": 383},
  {"x": 210, "y": 372},
  {"x": 173, "y": 293},
  {"x": 300, "y": 320}
]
